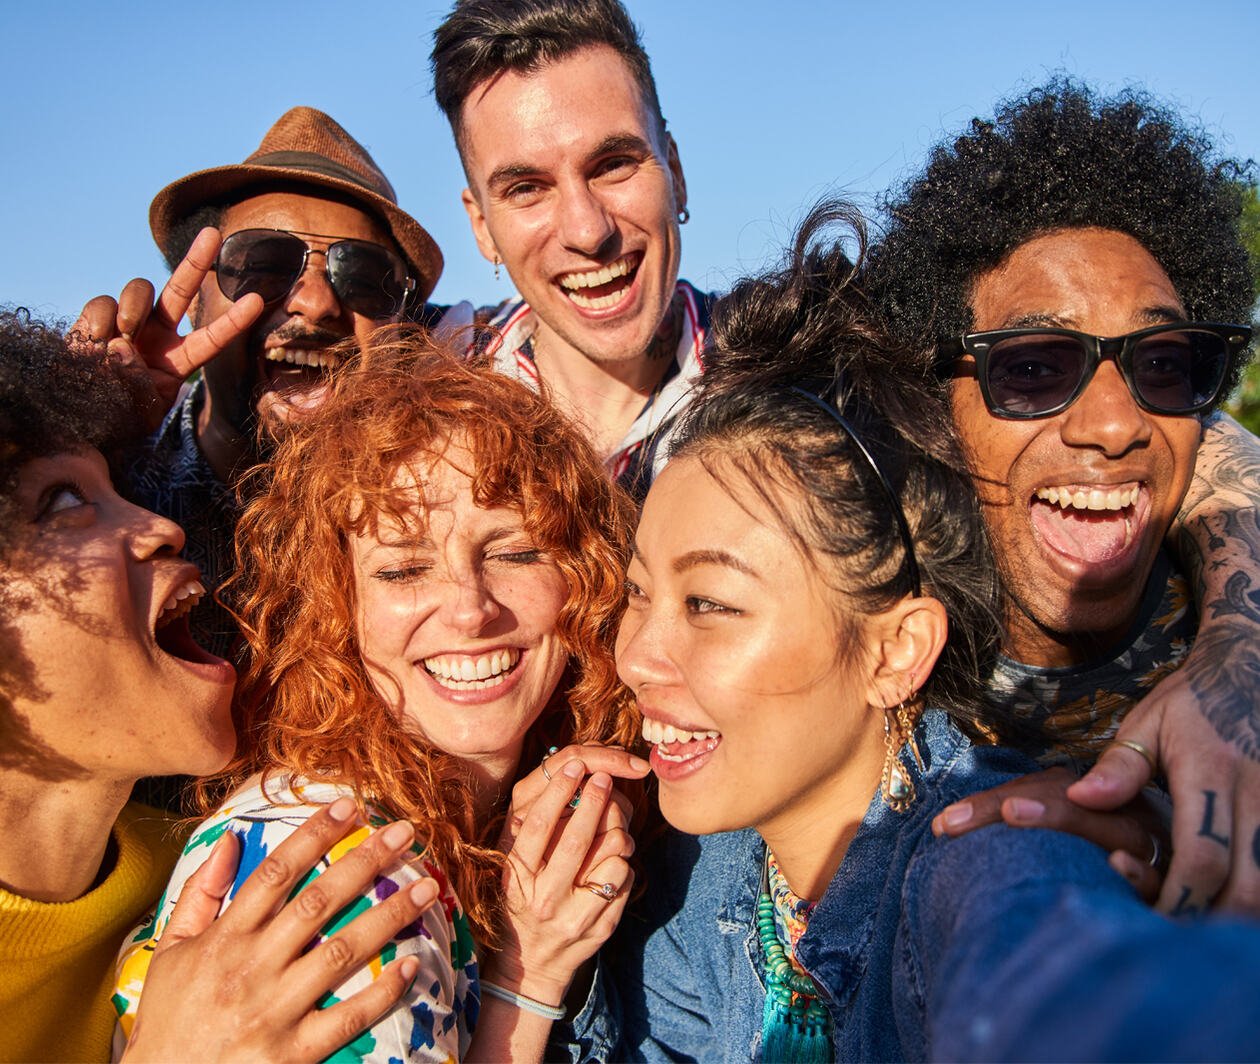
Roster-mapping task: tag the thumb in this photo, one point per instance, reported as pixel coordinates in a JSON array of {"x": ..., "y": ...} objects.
[
  {"x": 1126, "y": 766},
  {"x": 203, "y": 893}
]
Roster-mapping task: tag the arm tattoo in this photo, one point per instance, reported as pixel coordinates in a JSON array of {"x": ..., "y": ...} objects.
[
  {"x": 1224, "y": 672},
  {"x": 1238, "y": 600}
]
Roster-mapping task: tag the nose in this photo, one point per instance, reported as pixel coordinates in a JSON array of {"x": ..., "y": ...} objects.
[
  {"x": 468, "y": 604},
  {"x": 585, "y": 224},
  {"x": 1106, "y": 416},
  {"x": 150, "y": 535},
  {"x": 641, "y": 653},
  {"x": 312, "y": 296}
]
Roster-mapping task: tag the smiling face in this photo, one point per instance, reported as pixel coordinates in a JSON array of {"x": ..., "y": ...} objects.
[
  {"x": 757, "y": 707},
  {"x": 575, "y": 187},
  {"x": 1077, "y": 504},
  {"x": 270, "y": 369},
  {"x": 97, "y": 596},
  {"x": 457, "y": 617}
]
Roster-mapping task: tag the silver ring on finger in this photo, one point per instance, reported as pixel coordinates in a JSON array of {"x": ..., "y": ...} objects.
[
  {"x": 550, "y": 750},
  {"x": 1157, "y": 852},
  {"x": 603, "y": 891}
]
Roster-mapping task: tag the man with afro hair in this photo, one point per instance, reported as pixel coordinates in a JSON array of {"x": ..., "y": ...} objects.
[{"x": 1072, "y": 272}]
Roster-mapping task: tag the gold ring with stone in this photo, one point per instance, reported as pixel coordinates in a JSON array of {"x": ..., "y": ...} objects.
[{"x": 605, "y": 891}]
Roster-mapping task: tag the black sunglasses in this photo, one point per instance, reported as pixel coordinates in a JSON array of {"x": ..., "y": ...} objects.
[
  {"x": 368, "y": 279},
  {"x": 1030, "y": 373}
]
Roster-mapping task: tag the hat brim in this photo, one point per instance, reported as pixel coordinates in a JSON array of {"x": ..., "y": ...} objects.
[{"x": 180, "y": 198}]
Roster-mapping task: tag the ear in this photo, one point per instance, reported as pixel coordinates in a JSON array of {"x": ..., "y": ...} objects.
[
  {"x": 481, "y": 231},
  {"x": 905, "y": 640},
  {"x": 676, "y": 172}
]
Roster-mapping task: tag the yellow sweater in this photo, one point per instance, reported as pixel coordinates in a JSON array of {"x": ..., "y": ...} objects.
[{"x": 57, "y": 958}]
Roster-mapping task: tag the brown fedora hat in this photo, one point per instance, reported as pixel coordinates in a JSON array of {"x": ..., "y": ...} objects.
[{"x": 308, "y": 147}]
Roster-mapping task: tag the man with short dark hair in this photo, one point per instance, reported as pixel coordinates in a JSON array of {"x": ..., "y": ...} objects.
[
  {"x": 575, "y": 186},
  {"x": 306, "y": 234},
  {"x": 1074, "y": 268}
]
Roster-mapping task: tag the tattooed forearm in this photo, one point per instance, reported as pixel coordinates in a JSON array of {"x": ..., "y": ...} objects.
[
  {"x": 1237, "y": 601},
  {"x": 1224, "y": 673},
  {"x": 1227, "y": 473}
]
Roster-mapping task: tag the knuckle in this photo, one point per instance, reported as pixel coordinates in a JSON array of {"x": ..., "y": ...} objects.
[
  {"x": 312, "y": 902},
  {"x": 337, "y": 954},
  {"x": 273, "y": 871}
]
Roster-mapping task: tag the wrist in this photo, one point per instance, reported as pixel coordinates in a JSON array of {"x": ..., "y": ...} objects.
[{"x": 537, "y": 986}]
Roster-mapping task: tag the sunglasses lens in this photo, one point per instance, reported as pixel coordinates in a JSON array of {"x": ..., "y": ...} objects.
[
  {"x": 1034, "y": 374},
  {"x": 1176, "y": 371},
  {"x": 261, "y": 261},
  {"x": 369, "y": 279}
]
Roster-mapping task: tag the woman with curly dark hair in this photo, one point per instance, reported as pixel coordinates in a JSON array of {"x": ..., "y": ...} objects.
[{"x": 430, "y": 575}]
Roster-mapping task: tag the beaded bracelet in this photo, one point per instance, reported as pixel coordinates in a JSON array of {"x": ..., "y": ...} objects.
[{"x": 538, "y": 1008}]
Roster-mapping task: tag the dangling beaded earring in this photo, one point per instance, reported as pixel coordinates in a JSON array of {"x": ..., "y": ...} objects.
[
  {"x": 896, "y": 787},
  {"x": 496, "y": 267}
]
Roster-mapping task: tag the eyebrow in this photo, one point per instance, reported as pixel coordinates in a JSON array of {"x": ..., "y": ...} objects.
[
  {"x": 1156, "y": 315},
  {"x": 618, "y": 142}
]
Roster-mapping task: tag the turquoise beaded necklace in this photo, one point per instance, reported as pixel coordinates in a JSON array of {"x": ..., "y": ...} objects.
[{"x": 795, "y": 1024}]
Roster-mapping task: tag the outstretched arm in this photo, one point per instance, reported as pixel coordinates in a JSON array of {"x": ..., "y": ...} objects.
[{"x": 1202, "y": 723}]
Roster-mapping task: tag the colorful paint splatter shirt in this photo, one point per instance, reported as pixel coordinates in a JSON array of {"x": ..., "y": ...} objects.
[{"x": 433, "y": 1022}]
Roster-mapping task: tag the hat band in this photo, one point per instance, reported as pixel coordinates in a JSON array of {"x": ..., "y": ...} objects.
[{"x": 318, "y": 164}]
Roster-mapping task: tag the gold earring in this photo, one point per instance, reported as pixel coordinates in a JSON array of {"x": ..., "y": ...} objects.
[{"x": 896, "y": 785}]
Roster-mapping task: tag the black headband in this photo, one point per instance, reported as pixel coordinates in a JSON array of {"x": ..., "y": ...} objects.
[{"x": 899, "y": 515}]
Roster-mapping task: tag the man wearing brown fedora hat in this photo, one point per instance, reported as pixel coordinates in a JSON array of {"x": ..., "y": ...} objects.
[{"x": 306, "y": 246}]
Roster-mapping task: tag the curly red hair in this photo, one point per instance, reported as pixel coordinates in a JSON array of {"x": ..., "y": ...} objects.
[{"x": 305, "y": 703}]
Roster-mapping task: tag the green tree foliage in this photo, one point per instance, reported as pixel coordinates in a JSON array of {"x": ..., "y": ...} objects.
[{"x": 1245, "y": 403}]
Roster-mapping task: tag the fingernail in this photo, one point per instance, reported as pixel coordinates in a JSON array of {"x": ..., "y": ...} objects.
[
  {"x": 1027, "y": 809},
  {"x": 410, "y": 968},
  {"x": 957, "y": 815},
  {"x": 342, "y": 810},
  {"x": 397, "y": 835},
  {"x": 422, "y": 891},
  {"x": 639, "y": 765},
  {"x": 601, "y": 781},
  {"x": 575, "y": 770}
]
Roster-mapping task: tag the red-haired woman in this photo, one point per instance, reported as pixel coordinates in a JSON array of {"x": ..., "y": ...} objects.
[{"x": 430, "y": 574}]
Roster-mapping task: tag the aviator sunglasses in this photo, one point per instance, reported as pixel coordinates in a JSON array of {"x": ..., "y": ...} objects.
[
  {"x": 368, "y": 278},
  {"x": 1038, "y": 372}
]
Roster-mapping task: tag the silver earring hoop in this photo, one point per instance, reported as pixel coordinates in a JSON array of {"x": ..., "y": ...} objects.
[{"x": 684, "y": 216}]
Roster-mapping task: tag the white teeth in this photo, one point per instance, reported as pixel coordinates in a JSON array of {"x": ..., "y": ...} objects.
[
  {"x": 466, "y": 673},
  {"x": 179, "y": 602},
  {"x": 657, "y": 733},
  {"x": 592, "y": 278},
  {"x": 1089, "y": 499},
  {"x": 301, "y": 356}
]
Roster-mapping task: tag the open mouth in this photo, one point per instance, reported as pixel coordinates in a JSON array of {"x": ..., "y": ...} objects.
[
  {"x": 602, "y": 288},
  {"x": 170, "y": 630},
  {"x": 676, "y": 744},
  {"x": 1089, "y": 523},
  {"x": 467, "y": 672},
  {"x": 294, "y": 366}
]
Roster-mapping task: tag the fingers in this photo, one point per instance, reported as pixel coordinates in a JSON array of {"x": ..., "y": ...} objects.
[
  {"x": 324, "y": 1031},
  {"x": 1203, "y": 835},
  {"x": 333, "y": 962},
  {"x": 203, "y": 893},
  {"x": 985, "y": 807},
  {"x": 1111, "y": 831},
  {"x": 611, "y": 759},
  {"x": 97, "y": 321},
  {"x": 202, "y": 345},
  {"x": 134, "y": 305},
  {"x": 534, "y": 837},
  {"x": 1122, "y": 771},
  {"x": 1242, "y": 889},
  {"x": 270, "y": 883},
  {"x": 186, "y": 279},
  {"x": 1145, "y": 879},
  {"x": 348, "y": 877}
]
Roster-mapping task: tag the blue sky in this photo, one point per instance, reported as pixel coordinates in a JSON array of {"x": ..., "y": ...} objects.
[{"x": 772, "y": 104}]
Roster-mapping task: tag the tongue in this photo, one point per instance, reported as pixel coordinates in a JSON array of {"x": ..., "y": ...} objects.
[{"x": 1088, "y": 535}]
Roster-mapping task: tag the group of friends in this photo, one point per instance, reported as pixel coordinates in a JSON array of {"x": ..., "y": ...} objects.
[{"x": 857, "y": 665}]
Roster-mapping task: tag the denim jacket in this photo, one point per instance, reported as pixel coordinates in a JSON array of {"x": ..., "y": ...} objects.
[{"x": 1001, "y": 944}]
